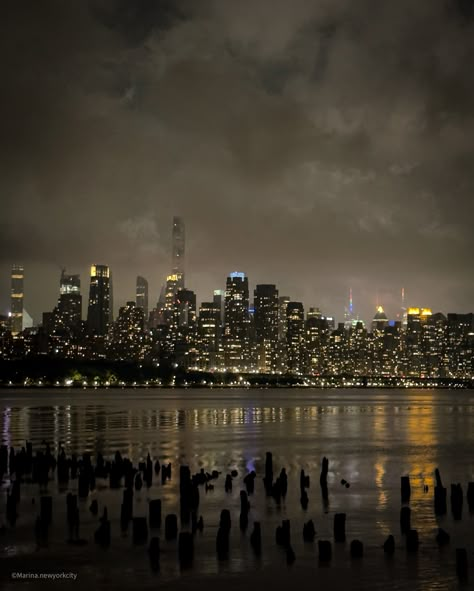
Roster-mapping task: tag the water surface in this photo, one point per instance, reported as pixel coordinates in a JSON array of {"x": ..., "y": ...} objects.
[{"x": 371, "y": 437}]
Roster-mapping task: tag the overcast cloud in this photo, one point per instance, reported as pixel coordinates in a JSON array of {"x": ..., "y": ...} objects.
[{"x": 316, "y": 145}]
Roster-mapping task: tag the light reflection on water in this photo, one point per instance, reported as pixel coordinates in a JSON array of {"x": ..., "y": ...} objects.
[{"x": 371, "y": 438}]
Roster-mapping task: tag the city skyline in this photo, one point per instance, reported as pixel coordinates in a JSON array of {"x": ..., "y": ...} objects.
[
  {"x": 174, "y": 283},
  {"x": 329, "y": 150},
  {"x": 268, "y": 334},
  {"x": 347, "y": 313}
]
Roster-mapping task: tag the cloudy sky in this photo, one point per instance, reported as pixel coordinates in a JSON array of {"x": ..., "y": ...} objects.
[{"x": 316, "y": 144}]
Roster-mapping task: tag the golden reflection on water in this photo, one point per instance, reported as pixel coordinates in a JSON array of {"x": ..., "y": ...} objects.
[{"x": 421, "y": 433}]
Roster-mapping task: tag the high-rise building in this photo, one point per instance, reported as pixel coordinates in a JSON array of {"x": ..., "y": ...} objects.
[
  {"x": 266, "y": 326},
  {"x": 349, "y": 311},
  {"x": 314, "y": 313},
  {"x": 237, "y": 323},
  {"x": 282, "y": 320},
  {"x": 219, "y": 301},
  {"x": 69, "y": 309},
  {"x": 185, "y": 306},
  {"x": 17, "y": 285},
  {"x": 142, "y": 296},
  {"x": 126, "y": 338},
  {"x": 175, "y": 280},
  {"x": 379, "y": 322},
  {"x": 178, "y": 251},
  {"x": 99, "y": 309},
  {"x": 317, "y": 335},
  {"x": 209, "y": 336},
  {"x": 460, "y": 344},
  {"x": 295, "y": 337},
  {"x": 414, "y": 357},
  {"x": 111, "y": 298}
]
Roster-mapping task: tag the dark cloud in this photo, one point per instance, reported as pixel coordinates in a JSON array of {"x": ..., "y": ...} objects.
[{"x": 317, "y": 145}]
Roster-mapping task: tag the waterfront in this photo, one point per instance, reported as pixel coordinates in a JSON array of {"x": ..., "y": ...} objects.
[{"x": 370, "y": 437}]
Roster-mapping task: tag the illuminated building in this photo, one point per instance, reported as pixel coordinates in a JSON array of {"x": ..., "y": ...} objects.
[
  {"x": 185, "y": 328},
  {"x": 266, "y": 326},
  {"x": 282, "y": 321},
  {"x": 414, "y": 344},
  {"x": 219, "y": 301},
  {"x": 99, "y": 308},
  {"x": 16, "y": 311},
  {"x": 316, "y": 337},
  {"x": 434, "y": 345},
  {"x": 69, "y": 309},
  {"x": 178, "y": 251},
  {"x": 141, "y": 297},
  {"x": 164, "y": 313},
  {"x": 170, "y": 299},
  {"x": 111, "y": 298},
  {"x": 237, "y": 323},
  {"x": 6, "y": 340},
  {"x": 379, "y": 322},
  {"x": 295, "y": 337},
  {"x": 126, "y": 340},
  {"x": 337, "y": 350},
  {"x": 314, "y": 313},
  {"x": 349, "y": 311},
  {"x": 390, "y": 354},
  {"x": 185, "y": 306},
  {"x": 357, "y": 360},
  {"x": 209, "y": 337},
  {"x": 459, "y": 345}
]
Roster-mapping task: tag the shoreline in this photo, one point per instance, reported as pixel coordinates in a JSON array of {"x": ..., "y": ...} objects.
[{"x": 378, "y": 386}]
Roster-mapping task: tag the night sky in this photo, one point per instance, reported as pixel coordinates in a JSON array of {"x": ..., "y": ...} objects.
[{"x": 315, "y": 145}]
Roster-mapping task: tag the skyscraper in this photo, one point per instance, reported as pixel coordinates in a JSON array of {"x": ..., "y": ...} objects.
[
  {"x": 236, "y": 322},
  {"x": 111, "y": 298},
  {"x": 219, "y": 299},
  {"x": 266, "y": 326},
  {"x": 183, "y": 328},
  {"x": 178, "y": 251},
  {"x": 295, "y": 337},
  {"x": 126, "y": 335},
  {"x": 349, "y": 312},
  {"x": 185, "y": 306},
  {"x": 99, "y": 312},
  {"x": 142, "y": 296},
  {"x": 69, "y": 309},
  {"x": 379, "y": 322},
  {"x": 17, "y": 280},
  {"x": 282, "y": 321},
  {"x": 209, "y": 336}
]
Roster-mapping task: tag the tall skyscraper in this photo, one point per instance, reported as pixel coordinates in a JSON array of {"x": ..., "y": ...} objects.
[
  {"x": 379, "y": 322},
  {"x": 295, "y": 337},
  {"x": 183, "y": 328},
  {"x": 111, "y": 298},
  {"x": 349, "y": 312},
  {"x": 237, "y": 322},
  {"x": 282, "y": 321},
  {"x": 185, "y": 306},
  {"x": 178, "y": 251},
  {"x": 17, "y": 284},
  {"x": 69, "y": 309},
  {"x": 99, "y": 309},
  {"x": 142, "y": 296},
  {"x": 209, "y": 336},
  {"x": 219, "y": 300},
  {"x": 266, "y": 326}
]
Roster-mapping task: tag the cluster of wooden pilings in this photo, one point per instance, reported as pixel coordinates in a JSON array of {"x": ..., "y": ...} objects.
[{"x": 39, "y": 468}]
